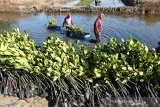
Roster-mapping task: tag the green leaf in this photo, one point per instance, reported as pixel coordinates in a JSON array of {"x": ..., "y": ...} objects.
[
  {"x": 114, "y": 66},
  {"x": 90, "y": 80},
  {"x": 7, "y": 53},
  {"x": 107, "y": 82},
  {"x": 48, "y": 74},
  {"x": 58, "y": 59},
  {"x": 98, "y": 74},
  {"x": 141, "y": 80},
  {"x": 140, "y": 73},
  {"x": 131, "y": 42},
  {"x": 135, "y": 74},
  {"x": 130, "y": 68},
  {"x": 55, "y": 78},
  {"x": 124, "y": 68},
  {"x": 49, "y": 69},
  {"x": 116, "y": 56},
  {"x": 68, "y": 72},
  {"x": 146, "y": 48},
  {"x": 21, "y": 53},
  {"x": 124, "y": 81}
]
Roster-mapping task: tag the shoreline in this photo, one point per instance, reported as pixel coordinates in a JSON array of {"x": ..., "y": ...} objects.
[
  {"x": 147, "y": 8},
  {"x": 122, "y": 10}
]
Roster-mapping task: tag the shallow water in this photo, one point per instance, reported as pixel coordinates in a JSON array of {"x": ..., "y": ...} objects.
[
  {"x": 109, "y": 3},
  {"x": 144, "y": 28}
]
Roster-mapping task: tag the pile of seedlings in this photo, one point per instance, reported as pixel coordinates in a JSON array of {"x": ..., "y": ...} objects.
[{"x": 81, "y": 77}]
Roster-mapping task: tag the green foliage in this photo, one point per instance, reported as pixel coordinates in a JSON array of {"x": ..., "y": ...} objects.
[
  {"x": 17, "y": 51},
  {"x": 84, "y": 2},
  {"x": 61, "y": 58},
  {"x": 52, "y": 22},
  {"x": 75, "y": 29},
  {"x": 126, "y": 61}
]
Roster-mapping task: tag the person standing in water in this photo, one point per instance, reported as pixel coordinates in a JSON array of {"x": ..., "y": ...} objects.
[
  {"x": 96, "y": 2},
  {"x": 98, "y": 27},
  {"x": 67, "y": 22}
]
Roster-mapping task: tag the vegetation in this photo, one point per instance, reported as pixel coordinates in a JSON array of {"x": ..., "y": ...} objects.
[
  {"x": 85, "y": 2},
  {"x": 75, "y": 29},
  {"x": 17, "y": 51},
  {"x": 52, "y": 23},
  {"x": 80, "y": 76}
]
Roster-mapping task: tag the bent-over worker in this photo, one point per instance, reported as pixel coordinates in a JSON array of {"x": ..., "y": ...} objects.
[{"x": 67, "y": 22}]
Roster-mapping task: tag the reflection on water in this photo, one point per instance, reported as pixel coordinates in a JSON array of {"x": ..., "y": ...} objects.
[
  {"x": 112, "y": 3},
  {"x": 9, "y": 21},
  {"x": 144, "y": 28},
  {"x": 6, "y": 21}
]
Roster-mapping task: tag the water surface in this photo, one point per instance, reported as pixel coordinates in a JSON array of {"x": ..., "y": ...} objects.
[{"x": 144, "y": 28}]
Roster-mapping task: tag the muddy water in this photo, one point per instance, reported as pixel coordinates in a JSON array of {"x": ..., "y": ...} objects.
[{"x": 144, "y": 28}]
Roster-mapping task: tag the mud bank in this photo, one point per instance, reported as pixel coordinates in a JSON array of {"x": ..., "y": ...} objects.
[
  {"x": 9, "y": 8},
  {"x": 28, "y": 6},
  {"x": 9, "y": 101},
  {"x": 136, "y": 7},
  {"x": 150, "y": 6},
  {"x": 59, "y": 5},
  {"x": 124, "y": 10}
]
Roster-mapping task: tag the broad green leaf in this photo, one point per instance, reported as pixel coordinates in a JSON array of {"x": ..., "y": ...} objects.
[
  {"x": 130, "y": 68},
  {"x": 124, "y": 68},
  {"x": 135, "y": 74},
  {"x": 140, "y": 73},
  {"x": 49, "y": 69},
  {"x": 55, "y": 78},
  {"x": 124, "y": 81},
  {"x": 141, "y": 80}
]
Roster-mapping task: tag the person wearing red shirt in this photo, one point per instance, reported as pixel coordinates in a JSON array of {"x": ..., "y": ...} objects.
[
  {"x": 67, "y": 22},
  {"x": 98, "y": 27}
]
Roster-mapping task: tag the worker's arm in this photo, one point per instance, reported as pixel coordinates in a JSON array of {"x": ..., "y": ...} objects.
[{"x": 64, "y": 22}]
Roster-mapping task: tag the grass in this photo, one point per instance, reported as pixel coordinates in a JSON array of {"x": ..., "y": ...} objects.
[{"x": 85, "y": 2}]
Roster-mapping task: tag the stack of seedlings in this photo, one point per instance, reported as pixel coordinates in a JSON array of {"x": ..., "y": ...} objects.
[
  {"x": 75, "y": 29},
  {"x": 81, "y": 77},
  {"x": 52, "y": 23},
  {"x": 18, "y": 65}
]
